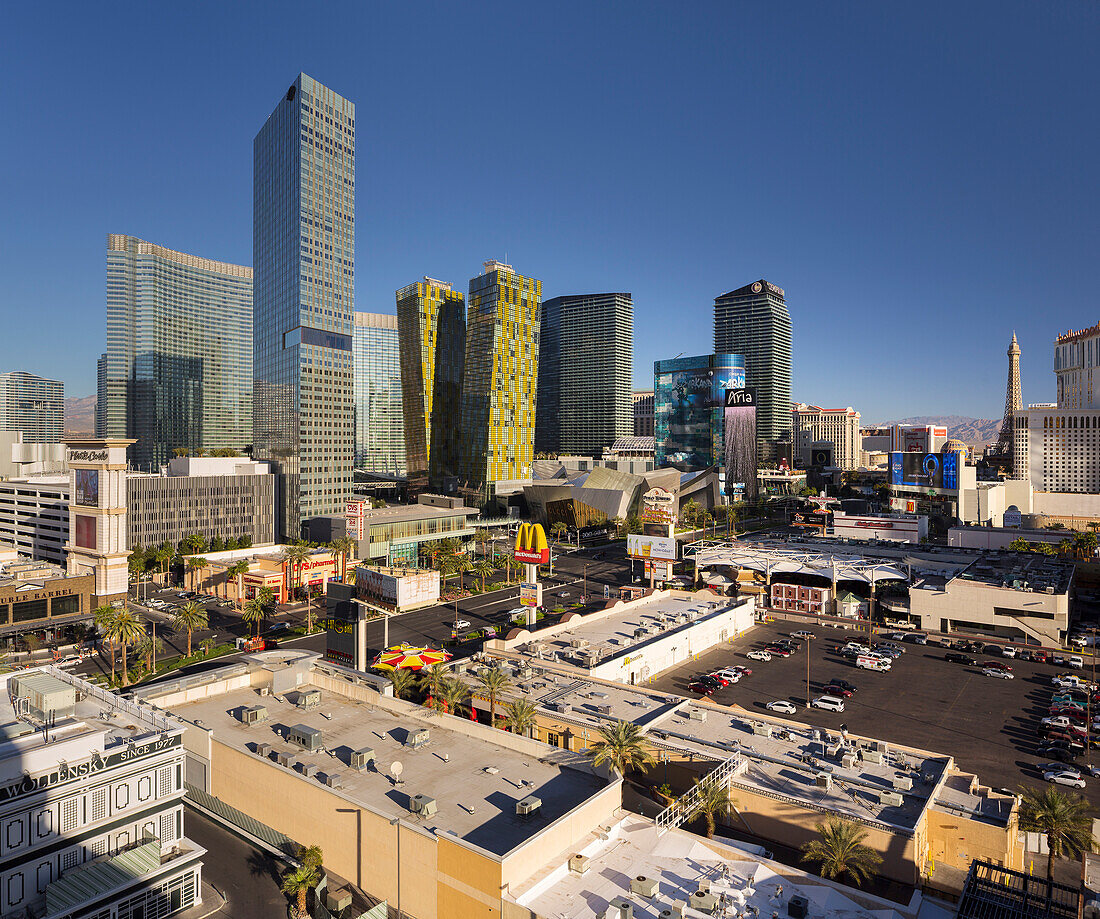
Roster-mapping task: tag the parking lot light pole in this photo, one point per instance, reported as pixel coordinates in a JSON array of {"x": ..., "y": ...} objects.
[{"x": 808, "y": 643}]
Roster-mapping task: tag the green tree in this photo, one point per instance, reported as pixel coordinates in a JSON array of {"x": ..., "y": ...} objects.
[
  {"x": 622, "y": 746},
  {"x": 482, "y": 568},
  {"x": 520, "y": 715},
  {"x": 147, "y": 648},
  {"x": 455, "y": 693},
  {"x": 266, "y": 596},
  {"x": 195, "y": 565},
  {"x": 253, "y": 612},
  {"x": 689, "y": 513},
  {"x": 295, "y": 557},
  {"x": 1063, "y": 818},
  {"x": 104, "y": 617},
  {"x": 163, "y": 558},
  {"x": 712, "y": 800},
  {"x": 207, "y": 645},
  {"x": 432, "y": 679},
  {"x": 618, "y": 523},
  {"x": 126, "y": 629},
  {"x": 246, "y": 541},
  {"x": 496, "y": 683},
  {"x": 403, "y": 681},
  {"x": 217, "y": 544},
  {"x": 839, "y": 850},
  {"x": 558, "y": 530},
  {"x": 232, "y": 544},
  {"x": 633, "y": 524},
  {"x": 297, "y": 883},
  {"x": 1020, "y": 545},
  {"x": 343, "y": 546},
  {"x": 190, "y": 618}
]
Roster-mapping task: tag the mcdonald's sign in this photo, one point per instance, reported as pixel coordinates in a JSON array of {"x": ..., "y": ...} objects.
[{"x": 531, "y": 546}]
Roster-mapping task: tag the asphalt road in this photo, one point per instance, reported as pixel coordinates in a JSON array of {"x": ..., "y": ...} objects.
[
  {"x": 247, "y": 877},
  {"x": 989, "y": 725}
]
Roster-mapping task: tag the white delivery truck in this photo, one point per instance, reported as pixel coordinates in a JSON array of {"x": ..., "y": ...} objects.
[{"x": 868, "y": 662}]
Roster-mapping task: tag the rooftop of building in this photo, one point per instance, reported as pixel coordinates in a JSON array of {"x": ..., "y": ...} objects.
[
  {"x": 680, "y": 863},
  {"x": 396, "y": 513},
  {"x": 47, "y": 480},
  {"x": 121, "y": 243},
  {"x": 619, "y": 631},
  {"x": 632, "y": 445},
  {"x": 376, "y": 320},
  {"x": 87, "y": 720},
  {"x": 475, "y": 774},
  {"x": 806, "y": 407},
  {"x": 20, "y": 570},
  {"x": 1020, "y": 571}
]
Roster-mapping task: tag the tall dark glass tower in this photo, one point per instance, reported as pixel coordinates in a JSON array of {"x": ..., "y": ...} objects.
[
  {"x": 304, "y": 261},
  {"x": 586, "y": 361},
  {"x": 753, "y": 321}
]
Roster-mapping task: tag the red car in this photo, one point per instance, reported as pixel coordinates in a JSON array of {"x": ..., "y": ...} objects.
[
  {"x": 744, "y": 671},
  {"x": 704, "y": 685},
  {"x": 777, "y": 649},
  {"x": 720, "y": 680},
  {"x": 1069, "y": 710},
  {"x": 833, "y": 689},
  {"x": 996, "y": 665}
]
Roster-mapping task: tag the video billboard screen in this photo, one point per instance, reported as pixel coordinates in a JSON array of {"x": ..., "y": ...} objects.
[
  {"x": 925, "y": 470},
  {"x": 688, "y": 407},
  {"x": 740, "y": 443},
  {"x": 85, "y": 532},
  {"x": 87, "y": 487}
]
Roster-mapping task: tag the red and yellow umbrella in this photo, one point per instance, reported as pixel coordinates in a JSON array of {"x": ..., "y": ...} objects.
[{"x": 409, "y": 657}]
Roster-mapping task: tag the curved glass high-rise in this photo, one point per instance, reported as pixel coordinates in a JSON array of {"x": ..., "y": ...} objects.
[
  {"x": 304, "y": 258},
  {"x": 177, "y": 373},
  {"x": 379, "y": 425}
]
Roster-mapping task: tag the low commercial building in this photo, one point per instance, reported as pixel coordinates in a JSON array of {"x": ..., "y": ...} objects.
[
  {"x": 907, "y": 528},
  {"x": 1018, "y": 595},
  {"x": 633, "y": 641},
  {"x": 92, "y": 809},
  {"x": 917, "y": 807},
  {"x": 393, "y": 535},
  {"x": 269, "y": 567},
  {"x": 435, "y": 814},
  {"x": 993, "y": 538},
  {"x": 36, "y": 596}
]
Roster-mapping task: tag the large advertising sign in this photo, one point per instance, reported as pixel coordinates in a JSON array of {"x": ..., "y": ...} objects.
[
  {"x": 740, "y": 443},
  {"x": 531, "y": 546},
  {"x": 661, "y": 548},
  {"x": 354, "y": 515},
  {"x": 87, "y": 487},
  {"x": 397, "y": 592},
  {"x": 530, "y": 595},
  {"x": 659, "y": 506},
  {"x": 85, "y": 532},
  {"x": 687, "y": 414},
  {"x": 925, "y": 470}
]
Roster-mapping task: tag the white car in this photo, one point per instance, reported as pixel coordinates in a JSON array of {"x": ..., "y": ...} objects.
[
  {"x": 462, "y": 624},
  {"x": 758, "y": 656},
  {"x": 783, "y": 706},
  {"x": 804, "y": 635},
  {"x": 829, "y": 703},
  {"x": 732, "y": 675},
  {"x": 1008, "y": 651},
  {"x": 1065, "y": 777},
  {"x": 1001, "y": 674},
  {"x": 1058, "y": 721}
]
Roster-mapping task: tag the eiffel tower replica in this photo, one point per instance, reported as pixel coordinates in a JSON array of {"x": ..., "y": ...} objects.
[{"x": 1013, "y": 402}]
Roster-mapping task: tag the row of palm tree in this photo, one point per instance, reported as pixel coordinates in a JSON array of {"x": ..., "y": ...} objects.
[{"x": 120, "y": 626}]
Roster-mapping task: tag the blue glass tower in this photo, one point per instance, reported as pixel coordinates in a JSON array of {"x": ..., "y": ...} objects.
[
  {"x": 303, "y": 299},
  {"x": 689, "y": 405}
]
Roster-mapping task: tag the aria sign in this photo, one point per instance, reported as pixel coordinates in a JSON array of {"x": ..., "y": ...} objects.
[{"x": 87, "y": 456}]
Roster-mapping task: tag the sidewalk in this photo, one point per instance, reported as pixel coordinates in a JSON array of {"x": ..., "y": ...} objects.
[{"x": 212, "y": 904}]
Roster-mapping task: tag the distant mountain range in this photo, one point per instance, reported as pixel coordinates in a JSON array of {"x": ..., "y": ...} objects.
[
  {"x": 975, "y": 431},
  {"x": 80, "y": 415}
]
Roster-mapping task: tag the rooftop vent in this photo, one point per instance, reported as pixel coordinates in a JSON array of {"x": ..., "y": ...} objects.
[
  {"x": 603, "y": 708},
  {"x": 619, "y": 908},
  {"x": 311, "y": 698},
  {"x": 824, "y": 780},
  {"x": 424, "y": 805},
  {"x": 644, "y": 886},
  {"x": 333, "y": 780},
  {"x": 362, "y": 758},
  {"x": 704, "y": 901},
  {"x": 285, "y": 758},
  {"x": 527, "y": 806},
  {"x": 797, "y": 907},
  {"x": 903, "y": 783},
  {"x": 579, "y": 643},
  {"x": 254, "y": 715},
  {"x": 309, "y": 770},
  {"x": 761, "y": 729},
  {"x": 890, "y": 799},
  {"x": 264, "y": 750},
  {"x": 578, "y": 864},
  {"x": 305, "y": 737},
  {"x": 417, "y": 738},
  {"x": 697, "y": 714}
]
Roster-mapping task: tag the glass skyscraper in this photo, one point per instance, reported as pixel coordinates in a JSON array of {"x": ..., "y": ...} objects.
[
  {"x": 753, "y": 321},
  {"x": 431, "y": 320},
  {"x": 586, "y": 361},
  {"x": 500, "y": 377},
  {"x": 379, "y": 426},
  {"x": 33, "y": 405},
  {"x": 177, "y": 373},
  {"x": 304, "y": 258},
  {"x": 689, "y": 404}
]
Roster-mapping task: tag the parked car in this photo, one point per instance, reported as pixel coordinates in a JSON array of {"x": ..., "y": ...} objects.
[
  {"x": 1058, "y": 752},
  {"x": 759, "y": 656},
  {"x": 956, "y": 658},
  {"x": 461, "y": 624},
  {"x": 1057, "y": 767},
  {"x": 778, "y": 649},
  {"x": 804, "y": 635},
  {"x": 783, "y": 706},
  {"x": 836, "y": 681},
  {"x": 729, "y": 676},
  {"x": 1000, "y": 674},
  {"x": 705, "y": 685},
  {"x": 917, "y": 638},
  {"x": 743, "y": 671},
  {"x": 1009, "y": 651},
  {"x": 996, "y": 665},
  {"x": 872, "y": 662},
  {"x": 1075, "y": 663},
  {"x": 1065, "y": 777},
  {"x": 722, "y": 681},
  {"x": 829, "y": 703},
  {"x": 834, "y": 690}
]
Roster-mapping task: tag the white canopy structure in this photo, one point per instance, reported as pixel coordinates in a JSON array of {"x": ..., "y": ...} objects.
[{"x": 832, "y": 566}]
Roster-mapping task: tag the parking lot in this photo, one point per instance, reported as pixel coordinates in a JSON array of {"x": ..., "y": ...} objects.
[{"x": 989, "y": 725}]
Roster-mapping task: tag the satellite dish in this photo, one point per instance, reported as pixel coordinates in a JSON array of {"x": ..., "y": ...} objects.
[{"x": 395, "y": 770}]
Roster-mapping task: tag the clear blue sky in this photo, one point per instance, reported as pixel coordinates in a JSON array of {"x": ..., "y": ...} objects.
[{"x": 921, "y": 179}]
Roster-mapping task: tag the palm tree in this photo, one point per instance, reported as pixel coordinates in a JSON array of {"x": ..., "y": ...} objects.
[
  {"x": 432, "y": 547},
  {"x": 482, "y": 568},
  {"x": 126, "y": 629},
  {"x": 266, "y": 596},
  {"x": 455, "y": 693},
  {"x": 104, "y": 617},
  {"x": 688, "y": 513},
  {"x": 147, "y": 648},
  {"x": 432, "y": 679},
  {"x": 237, "y": 570},
  {"x": 839, "y": 849},
  {"x": 620, "y": 745},
  {"x": 558, "y": 530},
  {"x": 296, "y": 556},
  {"x": 1063, "y": 818},
  {"x": 207, "y": 645},
  {"x": 617, "y": 523},
  {"x": 253, "y": 612},
  {"x": 195, "y": 565},
  {"x": 403, "y": 681},
  {"x": 712, "y": 800},
  {"x": 495, "y": 682},
  {"x": 311, "y": 856},
  {"x": 190, "y": 618},
  {"x": 343, "y": 546},
  {"x": 163, "y": 558},
  {"x": 297, "y": 883},
  {"x": 520, "y": 716}
]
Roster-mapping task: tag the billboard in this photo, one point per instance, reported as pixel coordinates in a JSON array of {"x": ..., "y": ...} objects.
[
  {"x": 821, "y": 456},
  {"x": 87, "y": 487},
  {"x": 925, "y": 470},
  {"x": 740, "y": 443},
  {"x": 404, "y": 591},
  {"x": 662, "y": 548},
  {"x": 530, "y": 594},
  {"x": 688, "y": 402},
  {"x": 659, "y": 506},
  {"x": 85, "y": 531},
  {"x": 531, "y": 547},
  {"x": 354, "y": 515}
]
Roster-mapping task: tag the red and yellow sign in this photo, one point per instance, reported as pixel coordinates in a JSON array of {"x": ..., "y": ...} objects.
[{"x": 531, "y": 545}]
